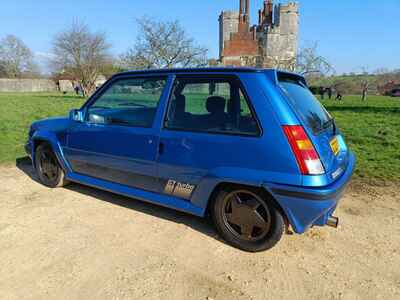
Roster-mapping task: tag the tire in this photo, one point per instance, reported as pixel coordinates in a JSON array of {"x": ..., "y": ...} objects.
[
  {"x": 48, "y": 168},
  {"x": 247, "y": 219}
]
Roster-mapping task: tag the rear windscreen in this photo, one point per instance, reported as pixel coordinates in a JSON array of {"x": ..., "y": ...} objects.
[{"x": 312, "y": 113}]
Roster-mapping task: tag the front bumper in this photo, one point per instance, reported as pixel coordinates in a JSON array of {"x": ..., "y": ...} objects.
[
  {"x": 308, "y": 206},
  {"x": 28, "y": 148}
]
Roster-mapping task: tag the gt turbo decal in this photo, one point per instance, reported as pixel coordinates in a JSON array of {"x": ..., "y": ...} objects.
[
  {"x": 170, "y": 187},
  {"x": 179, "y": 189}
]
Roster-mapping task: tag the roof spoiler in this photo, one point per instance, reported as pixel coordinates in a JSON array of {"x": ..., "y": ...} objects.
[{"x": 277, "y": 75}]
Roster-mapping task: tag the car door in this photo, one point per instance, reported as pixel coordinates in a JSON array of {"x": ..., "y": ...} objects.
[
  {"x": 209, "y": 124},
  {"x": 118, "y": 141}
]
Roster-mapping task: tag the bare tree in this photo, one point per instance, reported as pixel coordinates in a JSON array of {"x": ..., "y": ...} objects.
[
  {"x": 3, "y": 72},
  {"x": 81, "y": 54},
  {"x": 16, "y": 58},
  {"x": 163, "y": 45},
  {"x": 364, "y": 83},
  {"x": 310, "y": 62},
  {"x": 364, "y": 87}
]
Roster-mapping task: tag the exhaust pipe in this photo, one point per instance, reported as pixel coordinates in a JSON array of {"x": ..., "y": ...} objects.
[{"x": 333, "y": 222}]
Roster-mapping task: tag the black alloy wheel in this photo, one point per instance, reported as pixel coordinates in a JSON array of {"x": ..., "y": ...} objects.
[
  {"x": 247, "y": 218},
  {"x": 246, "y": 215},
  {"x": 47, "y": 167}
]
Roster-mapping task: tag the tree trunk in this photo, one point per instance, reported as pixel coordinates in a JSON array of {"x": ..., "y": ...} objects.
[{"x": 364, "y": 95}]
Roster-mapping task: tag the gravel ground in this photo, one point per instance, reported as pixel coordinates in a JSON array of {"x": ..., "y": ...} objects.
[{"x": 81, "y": 243}]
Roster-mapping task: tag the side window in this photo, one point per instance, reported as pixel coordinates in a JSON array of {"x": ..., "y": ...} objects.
[
  {"x": 129, "y": 102},
  {"x": 210, "y": 105}
]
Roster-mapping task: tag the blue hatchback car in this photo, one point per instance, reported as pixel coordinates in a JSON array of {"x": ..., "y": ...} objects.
[{"x": 252, "y": 148}]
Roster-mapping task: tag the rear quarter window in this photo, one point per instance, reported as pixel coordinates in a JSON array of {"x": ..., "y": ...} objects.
[{"x": 310, "y": 110}]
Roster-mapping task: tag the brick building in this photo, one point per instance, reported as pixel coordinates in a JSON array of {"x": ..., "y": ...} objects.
[{"x": 270, "y": 43}]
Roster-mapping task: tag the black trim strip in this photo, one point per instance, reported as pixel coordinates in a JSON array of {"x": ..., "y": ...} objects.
[
  {"x": 28, "y": 149},
  {"x": 309, "y": 196},
  {"x": 107, "y": 173}
]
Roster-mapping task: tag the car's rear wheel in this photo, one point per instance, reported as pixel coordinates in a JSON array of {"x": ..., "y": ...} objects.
[
  {"x": 247, "y": 219},
  {"x": 48, "y": 169}
]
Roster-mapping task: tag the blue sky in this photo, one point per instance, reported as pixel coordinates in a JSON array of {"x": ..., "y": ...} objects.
[{"x": 350, "y": 33}]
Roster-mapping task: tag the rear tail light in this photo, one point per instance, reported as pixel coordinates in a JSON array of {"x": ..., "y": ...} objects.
[{"x": 304, "y": 151}]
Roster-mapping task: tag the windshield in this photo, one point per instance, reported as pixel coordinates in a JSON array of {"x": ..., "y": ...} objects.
[{"x": 312, "y": 113}]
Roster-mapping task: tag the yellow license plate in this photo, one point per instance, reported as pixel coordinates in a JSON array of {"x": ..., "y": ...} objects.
[{"x": 335, "y": 146}]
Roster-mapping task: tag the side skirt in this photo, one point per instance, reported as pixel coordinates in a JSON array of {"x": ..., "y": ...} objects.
[{"x": 158, "y": 199}]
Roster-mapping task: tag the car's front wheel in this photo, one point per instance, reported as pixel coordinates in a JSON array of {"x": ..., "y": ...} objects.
[
  {"x": 48, "y": 169},
  {"x": 247, "y": 219}
]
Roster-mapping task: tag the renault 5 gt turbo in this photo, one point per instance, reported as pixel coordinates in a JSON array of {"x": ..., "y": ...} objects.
[{"x": 252, "y": 148}]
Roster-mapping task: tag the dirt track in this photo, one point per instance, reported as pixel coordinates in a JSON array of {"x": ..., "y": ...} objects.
[{"x": 80, "y": 243}]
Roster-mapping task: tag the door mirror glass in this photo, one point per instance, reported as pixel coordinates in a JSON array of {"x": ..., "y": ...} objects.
[
  {"x": 97, "y": 119},
  {"x": 76, "y": 115}
]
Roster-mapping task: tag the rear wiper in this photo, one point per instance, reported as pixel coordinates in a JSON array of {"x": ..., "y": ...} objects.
[
  {"x": 330, "y": 123},
  {"x": 334, "y": 126}
]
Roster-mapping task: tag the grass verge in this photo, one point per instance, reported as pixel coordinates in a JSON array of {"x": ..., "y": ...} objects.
[{"x": 371, "y": 128}]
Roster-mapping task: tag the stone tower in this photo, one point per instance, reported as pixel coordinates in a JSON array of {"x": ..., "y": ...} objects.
[
  {"x": 272, "y": 42},
  {"x": 279, "y": 40},
  {"x": 228, "y": 24},
  {"x": 241, "y": 46}
]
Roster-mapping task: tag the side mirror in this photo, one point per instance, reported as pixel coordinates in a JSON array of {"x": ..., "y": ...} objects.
[
  {"x": 97, "y": 119},
  {"x": 76, "y": 115}
]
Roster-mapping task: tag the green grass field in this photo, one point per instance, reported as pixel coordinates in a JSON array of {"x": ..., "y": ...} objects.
[
  {"x": 19, "y": 110},
  {"x": 372, "y": 131},
  {"x": 371, "y": 128}
]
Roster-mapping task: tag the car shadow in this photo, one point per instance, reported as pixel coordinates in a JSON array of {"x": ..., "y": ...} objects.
[
  {"x": 202, "y": 225},
  {"x": 25, "y": 165}
]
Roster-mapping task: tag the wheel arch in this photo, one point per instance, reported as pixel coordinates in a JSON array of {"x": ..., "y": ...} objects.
[
  {"x": 49, "y": 138},
  {"x": 258, "y": 188}
]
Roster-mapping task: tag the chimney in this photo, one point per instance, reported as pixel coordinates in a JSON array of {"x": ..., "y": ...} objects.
[
  {"x": 243, "y": 16},
  {"x": 268, "y": 11},
  {"x": 241, "y": 11},
  {"x": 271, "y": 11},
  {"x": 247, "y": 11}
]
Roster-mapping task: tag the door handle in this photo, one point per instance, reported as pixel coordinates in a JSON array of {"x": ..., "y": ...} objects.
[{"x": 161, "y": 148}]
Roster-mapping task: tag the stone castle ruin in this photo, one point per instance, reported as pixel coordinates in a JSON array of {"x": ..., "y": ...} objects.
[{"x": 270, "y": 43}]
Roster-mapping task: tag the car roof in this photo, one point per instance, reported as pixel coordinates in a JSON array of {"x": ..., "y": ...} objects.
[
  {"x": 196, "y": 70},
  {"x": 271, "y": 73}
]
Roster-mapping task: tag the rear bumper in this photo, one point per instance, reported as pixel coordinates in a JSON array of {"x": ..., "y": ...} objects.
[{"x": 308, "y": 206}]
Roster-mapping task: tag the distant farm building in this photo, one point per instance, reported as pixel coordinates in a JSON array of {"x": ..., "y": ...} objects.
[{"x": 389, "y": 88}]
